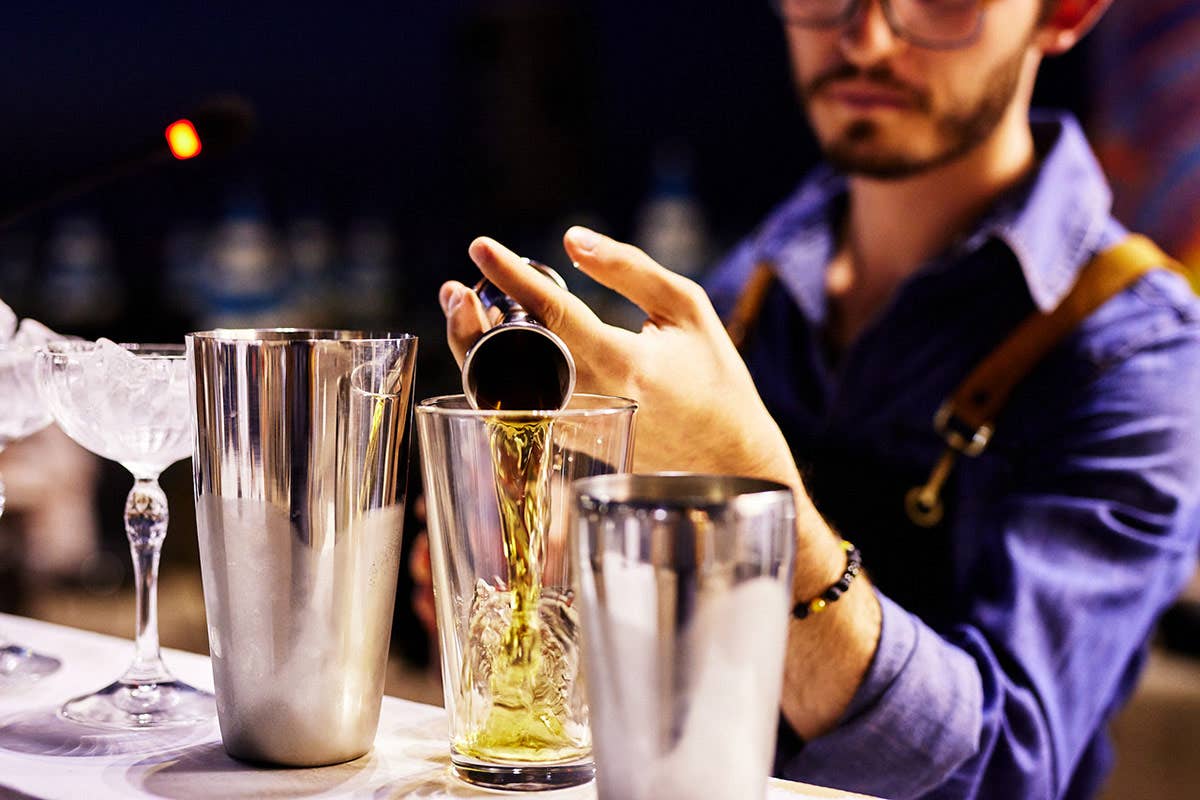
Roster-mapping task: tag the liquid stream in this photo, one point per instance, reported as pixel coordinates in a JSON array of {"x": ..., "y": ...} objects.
[{"x": 520, "y": 667}]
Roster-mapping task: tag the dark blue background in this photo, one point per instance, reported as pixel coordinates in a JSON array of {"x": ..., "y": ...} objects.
[{"x": 396, "y": 108}]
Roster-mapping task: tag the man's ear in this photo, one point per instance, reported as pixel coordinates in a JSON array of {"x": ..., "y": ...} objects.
[{"x": 1067, "y": 23}]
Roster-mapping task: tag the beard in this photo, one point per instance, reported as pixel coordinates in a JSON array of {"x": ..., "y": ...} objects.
[{"x": 859, "y": 149}]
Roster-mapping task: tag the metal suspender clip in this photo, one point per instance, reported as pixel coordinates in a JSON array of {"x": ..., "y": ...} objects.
[
  {"x": 924, "y": 503},
  {"x": 959, "y": 434}
]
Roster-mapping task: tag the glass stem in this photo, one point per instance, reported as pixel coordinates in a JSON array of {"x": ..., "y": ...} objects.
[
  {"x": 4, "y": 643},
  {"x": 146, "y": 525}
]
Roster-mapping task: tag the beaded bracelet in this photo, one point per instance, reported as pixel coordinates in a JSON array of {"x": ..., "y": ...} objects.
[{"x": 819, "y": 603}]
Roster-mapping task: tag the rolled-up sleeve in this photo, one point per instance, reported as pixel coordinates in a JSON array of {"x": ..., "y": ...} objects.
[
  {"x": 1092, "y": 535},
  {"x": 915, "y": 718}
]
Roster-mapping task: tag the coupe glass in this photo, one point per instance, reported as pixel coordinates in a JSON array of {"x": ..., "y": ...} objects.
[
  {"x": 21, "y": 413},
  {"x": 129, "y": 403}
]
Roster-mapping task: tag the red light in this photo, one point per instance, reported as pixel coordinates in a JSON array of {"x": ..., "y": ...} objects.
[{"x": 183, "y": 139}]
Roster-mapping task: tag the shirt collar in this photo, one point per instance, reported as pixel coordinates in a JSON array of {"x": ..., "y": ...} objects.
[
  {"x": 1052, "y": 222},
  {"x": 798, "y": 239},
  {"x": 1055, "y": 221}
]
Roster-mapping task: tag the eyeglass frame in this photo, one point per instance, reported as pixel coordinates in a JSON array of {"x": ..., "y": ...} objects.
[{"x": 853, "y": 7}]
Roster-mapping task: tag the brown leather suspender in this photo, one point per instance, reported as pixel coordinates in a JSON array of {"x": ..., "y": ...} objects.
[
  {"x": 749, "y": 303},
  {"x": 967, "y": 418}
]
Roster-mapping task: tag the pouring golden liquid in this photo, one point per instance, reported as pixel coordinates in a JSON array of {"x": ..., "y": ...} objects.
[{"x": 522, "y": 632}]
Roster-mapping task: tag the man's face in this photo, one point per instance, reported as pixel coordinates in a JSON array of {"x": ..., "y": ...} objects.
[{"x": 884, "y": 108}]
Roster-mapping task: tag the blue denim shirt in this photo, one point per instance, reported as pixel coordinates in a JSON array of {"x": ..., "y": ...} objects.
[{"x": 1013, "y": 631}]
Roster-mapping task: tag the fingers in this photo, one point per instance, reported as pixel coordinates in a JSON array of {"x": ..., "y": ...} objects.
[
  {"x": 465, "y": 318},
  {"x": 418, "y": 561},
  {"x": 422, "y": 596},
  {"x": 558, "y": 309},
  {"x": 662, "y": 294}
]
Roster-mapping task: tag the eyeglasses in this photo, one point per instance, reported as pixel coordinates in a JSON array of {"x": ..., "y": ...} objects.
[{"x": 935, "y": 24}]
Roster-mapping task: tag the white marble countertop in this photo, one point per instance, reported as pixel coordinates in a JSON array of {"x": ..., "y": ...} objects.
[{"x": 43, "y": 756}]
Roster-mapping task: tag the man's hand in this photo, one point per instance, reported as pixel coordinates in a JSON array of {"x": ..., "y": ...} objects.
[
  {"x": 698, "y": 411},
  {"x": 698, "y": 408}
]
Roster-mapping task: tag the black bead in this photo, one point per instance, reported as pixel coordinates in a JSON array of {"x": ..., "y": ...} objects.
[{"x": 830, "y": 595}]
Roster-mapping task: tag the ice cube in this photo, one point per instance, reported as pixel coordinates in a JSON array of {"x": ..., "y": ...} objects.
[
  {"x": 8, "y": 322},
  {"x": 32, "y": 333}
]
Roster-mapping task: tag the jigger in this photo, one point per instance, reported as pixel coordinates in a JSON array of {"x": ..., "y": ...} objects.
[{"x": 518, "y": 363}]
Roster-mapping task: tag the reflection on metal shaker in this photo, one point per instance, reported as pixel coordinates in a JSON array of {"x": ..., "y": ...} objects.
[{"x": 685, "y": 584}]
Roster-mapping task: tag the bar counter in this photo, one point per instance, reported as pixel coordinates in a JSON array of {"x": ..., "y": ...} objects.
[{"x": 43, "y": 756}]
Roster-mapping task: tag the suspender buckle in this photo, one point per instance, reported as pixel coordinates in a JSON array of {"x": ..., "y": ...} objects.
[
  {"x": 924, "y": 503},
  {"x": 960, "y": 435}
]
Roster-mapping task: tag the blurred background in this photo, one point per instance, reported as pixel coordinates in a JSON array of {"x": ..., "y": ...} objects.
[{"x": 390, "y": 134}]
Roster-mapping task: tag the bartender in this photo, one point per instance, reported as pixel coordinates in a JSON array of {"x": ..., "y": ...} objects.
[{"x": 1002, "y": 611}]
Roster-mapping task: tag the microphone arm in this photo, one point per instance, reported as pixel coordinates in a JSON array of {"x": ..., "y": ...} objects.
[
  {"x": 221, "y": 125},
  {"x": 54, "y": 195}
]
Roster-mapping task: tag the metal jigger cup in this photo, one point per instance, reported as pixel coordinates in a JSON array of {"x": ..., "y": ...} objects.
[{"x": 519, "y": 363}]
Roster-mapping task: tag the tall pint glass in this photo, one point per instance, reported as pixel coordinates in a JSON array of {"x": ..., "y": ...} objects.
[
  {"x": 301, "y": 454},
  {"x": 497, "y": 489}
]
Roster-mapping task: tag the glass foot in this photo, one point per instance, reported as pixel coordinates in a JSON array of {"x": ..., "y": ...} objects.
[
  {"x": 133, "y": 706},
  {"x": 20, "y": 665},
  {"x": 527, "y": 777}
]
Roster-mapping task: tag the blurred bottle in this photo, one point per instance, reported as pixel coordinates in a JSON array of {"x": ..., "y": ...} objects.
[
  {"x": 609, "y": 306},
  {"x": 247, "y": 281},
  {"x": 185, "y": 253},
  {"x": 670, "y": 222},
  {"x": 310, "y": 253},
  {"x": 370, "y": 290},
  {"x": 80, "y": 291},
  {"x": 669, "y": 227}
]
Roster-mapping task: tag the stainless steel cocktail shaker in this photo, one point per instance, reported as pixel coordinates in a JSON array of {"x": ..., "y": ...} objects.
[
  {"x": 685, "y": 585},
  {"x": 301, "y": 456}
]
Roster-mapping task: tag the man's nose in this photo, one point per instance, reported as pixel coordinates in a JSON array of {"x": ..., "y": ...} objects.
[{"x": 867, "y": 37}]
